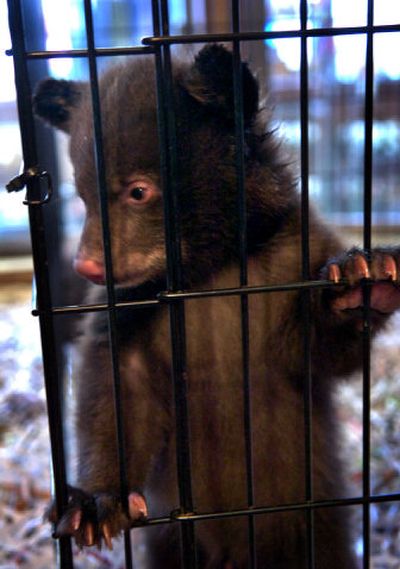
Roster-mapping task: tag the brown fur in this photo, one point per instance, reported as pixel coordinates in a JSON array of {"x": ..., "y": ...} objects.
[{"x": 207, "y": 193}]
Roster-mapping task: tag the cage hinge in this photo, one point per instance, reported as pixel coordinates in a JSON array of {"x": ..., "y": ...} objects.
[{"x": 19, "y": 183}]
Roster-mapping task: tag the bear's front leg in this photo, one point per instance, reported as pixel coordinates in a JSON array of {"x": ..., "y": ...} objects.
[
  {"x": 338, "y": 312},
  {"x": 95, "y": 518},
  {"x": 95, "y": 513},
  {"x": 381, "y": 268}
]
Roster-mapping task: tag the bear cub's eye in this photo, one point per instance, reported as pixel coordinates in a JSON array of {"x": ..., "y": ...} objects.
[{"x": 139, "y": 192}]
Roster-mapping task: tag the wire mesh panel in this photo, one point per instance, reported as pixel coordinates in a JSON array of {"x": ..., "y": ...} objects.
[{"x": 263, "y": 525}]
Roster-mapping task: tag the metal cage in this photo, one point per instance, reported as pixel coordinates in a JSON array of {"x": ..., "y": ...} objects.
[{"x": 160, "y": 47}]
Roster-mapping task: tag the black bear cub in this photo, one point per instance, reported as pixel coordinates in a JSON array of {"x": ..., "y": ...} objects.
[{"x": 207, "y": 193}]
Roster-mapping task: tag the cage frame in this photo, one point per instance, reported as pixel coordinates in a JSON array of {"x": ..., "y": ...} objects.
[{"x": 159, "y": 46}]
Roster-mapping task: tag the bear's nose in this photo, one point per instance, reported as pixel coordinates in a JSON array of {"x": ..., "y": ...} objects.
[{"x": 91, "y": 270}]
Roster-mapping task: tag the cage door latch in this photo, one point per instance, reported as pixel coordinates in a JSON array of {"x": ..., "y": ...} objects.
[{"x": 20, "y": 182}]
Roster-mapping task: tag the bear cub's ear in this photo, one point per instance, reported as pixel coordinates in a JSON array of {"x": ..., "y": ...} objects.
[
  {"x": 54, "y": 99},
  {"x": 210, "y": 82}
]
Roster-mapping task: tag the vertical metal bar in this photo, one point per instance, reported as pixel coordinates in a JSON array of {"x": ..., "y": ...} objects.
[
  {"x": 50, "y": 364},
  {"x": 169, "y": 173},
  {"x": 305, "y": 296},
  {"x": 112, "y": 317},
  {"x": 368, "y": 157},
  {"x": 242, "y": 218},
  {"x": 368, "y": 127}
]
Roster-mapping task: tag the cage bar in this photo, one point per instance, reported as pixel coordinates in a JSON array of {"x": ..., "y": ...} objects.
[
  {"x": 242, "y": 248},
  {"x": 170, "y": 179},
  {"x": 305, "y": 295},
  {"x": 254, "y": 36},
  {"x": 39, "y": 253},
  {"x": 367, "y": 230},
  {"x": 171, "y": 296},
  {"x": 112, "y": 316}
]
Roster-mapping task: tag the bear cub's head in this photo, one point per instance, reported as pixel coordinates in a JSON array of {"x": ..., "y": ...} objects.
[{"x": 206, "y": 178}]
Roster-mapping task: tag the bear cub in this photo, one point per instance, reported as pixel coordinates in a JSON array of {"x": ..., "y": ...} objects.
[{"x": 206, "y": 185}]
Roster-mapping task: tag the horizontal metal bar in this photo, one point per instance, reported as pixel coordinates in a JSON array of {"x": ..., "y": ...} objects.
[
  {"x": 149, "y": 42},
  {"x": 256, "y": 511},
  {"x": 100, "y": 51},
  {"x": 80, "y": 308},
  {"x": 171, "y": 296},
  {"x": 166, "y": 296},
  {"x": 252, "y": 36}
]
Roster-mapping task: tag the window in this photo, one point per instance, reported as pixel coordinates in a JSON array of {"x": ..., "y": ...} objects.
[{"x": 13, "y": 218}]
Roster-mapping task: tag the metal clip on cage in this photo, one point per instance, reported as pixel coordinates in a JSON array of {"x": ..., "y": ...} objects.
[{"x": 21, "y": 181}]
